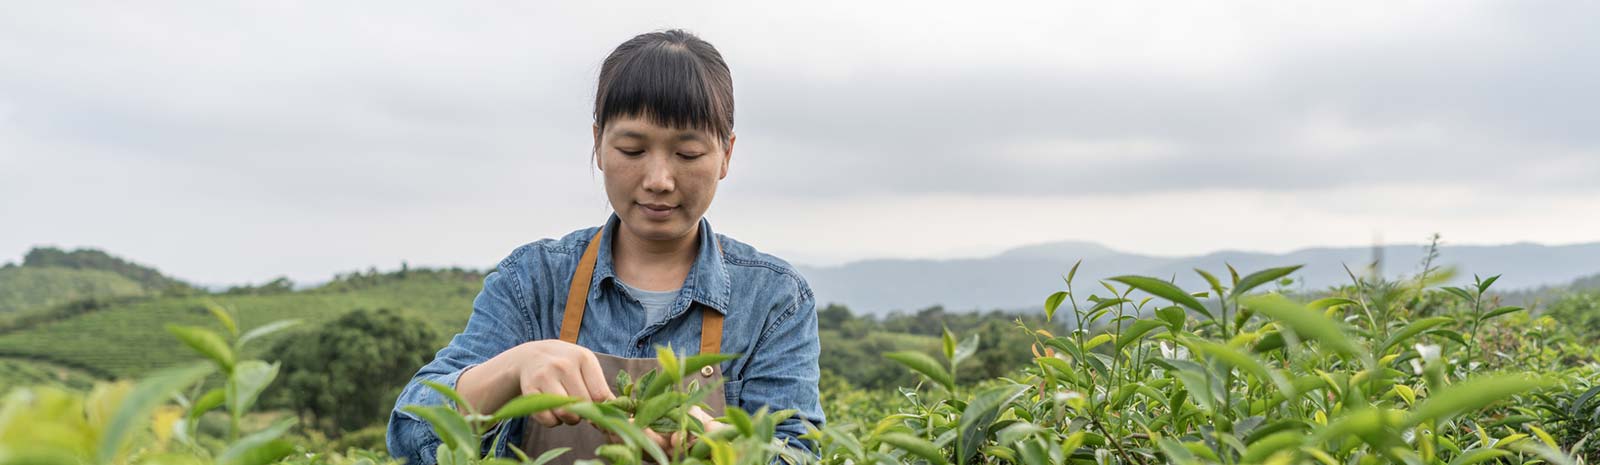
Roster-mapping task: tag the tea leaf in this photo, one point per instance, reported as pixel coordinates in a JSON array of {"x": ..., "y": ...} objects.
[
  {"x": 260, "y": 448},
  {"x": 628, "y": 431},
  {"x": 1174, "y": 316},
  {"x": 1136, "y": 331},
  {"x": 924, "y": 364},
  {"x": 1277, "y": 442},
  {"x": 965, "y": 349},
  {"x": 949, "y": 345},
  {"x": 206, "y": 343},
  {"x": 448, "y": 424},
  {"x": 1500, "y": 311},
  {"x": 1243, "y": 362},
  {"x": 449, "y": 393},
  {"x": 1304, "y": 322},
  {"x": 529, "y": 404},
  {"x": 1261, "y": 277},
  {"x": 264, "y": 330},
  {"x": 222, "y": 316},
  {"x": 977, "y": 417},
  {"x": 211, "y": 399},
  {"x": 1472, "y": 395},
  {"x": 1478, "y": 455},
  {"x": 1411, "y": 330},
  {"x": 246, "y": 383},
  {"x": 549, "y": 455},
  {"x": 1483, "y": 286},
  {"x": 138, "y": 404},
  {"x": 1052, "y": 303},
  {"x": 916, "y": 446},
  {"x": 1164, "y": 290}
]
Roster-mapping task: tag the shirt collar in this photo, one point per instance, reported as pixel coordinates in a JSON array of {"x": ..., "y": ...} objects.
[{"x": 707, "y": 282}]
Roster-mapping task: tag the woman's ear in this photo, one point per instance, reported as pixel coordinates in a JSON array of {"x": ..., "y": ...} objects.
[
  {"x": 727, "y": 155},
  {"x": 595, "y": 153}
]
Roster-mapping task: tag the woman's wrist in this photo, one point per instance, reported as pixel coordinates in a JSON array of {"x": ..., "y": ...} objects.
[{"x": 489, "y": 385}]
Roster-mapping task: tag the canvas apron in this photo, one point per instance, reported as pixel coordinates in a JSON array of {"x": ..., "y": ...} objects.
[{"x": 583, "y": 438}]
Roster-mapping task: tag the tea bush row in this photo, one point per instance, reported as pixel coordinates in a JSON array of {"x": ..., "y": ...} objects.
[{"x": 1374, "y": 372}]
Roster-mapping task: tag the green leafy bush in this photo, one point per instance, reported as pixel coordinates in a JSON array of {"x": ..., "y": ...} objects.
[{"x": 1374, "y": 372}]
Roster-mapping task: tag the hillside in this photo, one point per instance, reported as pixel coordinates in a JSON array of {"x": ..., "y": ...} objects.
[
  {"x": 128, "y": 338},
  {"x": 95, "y": 259},
  {"x": 30, "y": 287}
]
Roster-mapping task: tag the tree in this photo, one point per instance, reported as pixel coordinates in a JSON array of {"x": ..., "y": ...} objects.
[{"x": 346, "y": 374}]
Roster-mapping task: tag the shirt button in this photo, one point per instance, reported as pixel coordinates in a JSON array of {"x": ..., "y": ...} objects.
[{"x": 707, "y": 371}]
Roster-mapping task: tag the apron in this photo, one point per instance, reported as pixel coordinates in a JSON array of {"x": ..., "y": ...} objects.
[{"x": 584, "y": 438}]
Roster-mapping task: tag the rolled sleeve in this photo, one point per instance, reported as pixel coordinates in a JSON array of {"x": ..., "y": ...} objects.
[
  {"x": 783, "y": 372},
  {"x": 497, "y": 323}
]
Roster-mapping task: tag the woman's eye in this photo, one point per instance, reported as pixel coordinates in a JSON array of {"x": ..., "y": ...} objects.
[
  {"x": 690, "y": 156},
  {"x": 631, "y": 153}
]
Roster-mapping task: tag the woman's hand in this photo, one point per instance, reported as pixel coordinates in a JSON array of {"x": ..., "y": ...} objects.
[
  {"x": 666, "y": 442},
  {"x": 548, "y": 366}
]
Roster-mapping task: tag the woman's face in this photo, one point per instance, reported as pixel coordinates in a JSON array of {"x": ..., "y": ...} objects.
[{"x": 660, "y": 180}]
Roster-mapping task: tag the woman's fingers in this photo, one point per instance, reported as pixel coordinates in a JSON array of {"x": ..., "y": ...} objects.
[
  {"x": 711, "y": 423},
  {"x": 594, "y": 378},
  {"x": 562, "y": 415}
]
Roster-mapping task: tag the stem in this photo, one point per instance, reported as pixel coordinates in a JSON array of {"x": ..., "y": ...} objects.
[
  {"x": 1477, "y": 317},
  {"x": 1118, "y": 443}
]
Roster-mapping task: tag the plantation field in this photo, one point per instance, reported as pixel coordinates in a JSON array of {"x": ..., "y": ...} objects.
[
  {"x": 128, "y": 339},
  {"x": 21, "y": 372},
  {"x": 28, "y": 288},
  {"x": 1234, "y": 373}
]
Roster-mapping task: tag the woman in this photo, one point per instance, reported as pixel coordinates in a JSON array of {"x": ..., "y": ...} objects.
[{"x": 562, "y": 315}]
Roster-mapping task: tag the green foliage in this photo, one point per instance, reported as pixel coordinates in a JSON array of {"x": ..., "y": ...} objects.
[
  {"x": 20, "y": 373},
  {"x": 1581, "y": 310},
  {"x": 128, "y": 339},
  {"x": 92, "y": 259},
  {"x": 34, "y": 288},
  {"x": 345, "y": 374},
  {"x": 128, "y": 423},
  {"x": 1141, "y": 373},
  {"x": 1370, "y": 374}
]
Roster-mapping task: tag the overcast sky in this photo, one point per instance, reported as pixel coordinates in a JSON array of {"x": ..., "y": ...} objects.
[{"x": 235, "y": 143}]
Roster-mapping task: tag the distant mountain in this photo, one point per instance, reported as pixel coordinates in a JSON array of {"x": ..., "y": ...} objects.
[
  {"x": 29, "y": 287},
  {"x": 94, "y": 259},
  {"x": 1021, "y": 278}
]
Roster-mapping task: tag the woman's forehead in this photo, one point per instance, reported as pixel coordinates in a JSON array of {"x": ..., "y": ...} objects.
[{"x": 634, "y": 127}]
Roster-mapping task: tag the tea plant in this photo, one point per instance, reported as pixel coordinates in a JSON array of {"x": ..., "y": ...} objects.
[
  {"x": 656, "y": 402},
  {"x": 1374, "y": 372},
  {"x": 125, "y": 423},
  {"x": 1154, "y": 375}
]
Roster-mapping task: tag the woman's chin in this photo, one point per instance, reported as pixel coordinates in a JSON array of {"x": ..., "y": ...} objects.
[{"x": 657, "y": 230}]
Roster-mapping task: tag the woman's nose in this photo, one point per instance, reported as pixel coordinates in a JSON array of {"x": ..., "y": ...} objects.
[{"x": 658, "y": 175}]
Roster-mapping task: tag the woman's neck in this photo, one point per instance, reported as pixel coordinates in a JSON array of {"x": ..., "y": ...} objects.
[{"x": 653, "y": 265}]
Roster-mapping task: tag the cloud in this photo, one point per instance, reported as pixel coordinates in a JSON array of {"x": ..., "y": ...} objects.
[{"x": 198, "y": 135}]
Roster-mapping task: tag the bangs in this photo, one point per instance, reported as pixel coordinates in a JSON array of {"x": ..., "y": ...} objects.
[{"x": 668, "y": 85}]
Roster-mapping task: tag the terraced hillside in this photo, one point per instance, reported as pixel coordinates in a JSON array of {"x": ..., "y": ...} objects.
[
  {"x": 17, "y": 372},
  {"x": 24, "y": 288},
  {"x": 128, "y": 339}
]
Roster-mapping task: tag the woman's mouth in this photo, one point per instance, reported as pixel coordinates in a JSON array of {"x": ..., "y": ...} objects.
[{"x": 657, "y": 211}]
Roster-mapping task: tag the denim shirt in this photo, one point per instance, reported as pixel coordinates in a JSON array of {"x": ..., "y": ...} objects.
[{"x": 770, "y": 320}]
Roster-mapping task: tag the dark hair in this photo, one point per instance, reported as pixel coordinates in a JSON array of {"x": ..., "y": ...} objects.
[{"x": 670, "y": 77}]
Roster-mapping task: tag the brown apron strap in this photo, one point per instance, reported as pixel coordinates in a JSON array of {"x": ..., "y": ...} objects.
[
  {"x": 578, "y": 298},
  {"x": 578, "y": 294},
  {"x": 710, "y": 331}
]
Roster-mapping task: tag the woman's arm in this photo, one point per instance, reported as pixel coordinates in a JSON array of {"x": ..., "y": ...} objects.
[
  {"x": 783, "y": 371},
  {"x": 497, "y": 323}
]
